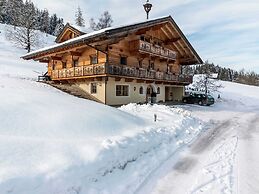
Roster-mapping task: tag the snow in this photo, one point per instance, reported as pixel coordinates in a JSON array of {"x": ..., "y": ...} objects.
[
  {"x": 224, "y": 158},
  {"x": 54, "y": 143},
  {"x": 51, "y": 142},
  {"x": 83, "y": 29}
]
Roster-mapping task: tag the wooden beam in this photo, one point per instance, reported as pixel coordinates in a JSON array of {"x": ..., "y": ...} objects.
[
  {"x": 140, "y": 32},
  {"x": 117, "y": 79},
  {"x": 76, "y": 54},
  {"x": 171, "y": 41},
  {"x": 140, "y": 81},
  {"x": 129, "y": 80},
  {"x": 158, "y": 82},
  {"x": 44, "y": 60},
  {"x": 188, "y": 63},
  {"x": 56, "y": 58},
  {"x": 180, "y": 50},
  {"x": 181, "y": 43},
  {"x": 98, "y": 79}
]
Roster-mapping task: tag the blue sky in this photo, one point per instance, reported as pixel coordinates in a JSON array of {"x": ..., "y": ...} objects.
[{"x": 225, "y": 32}]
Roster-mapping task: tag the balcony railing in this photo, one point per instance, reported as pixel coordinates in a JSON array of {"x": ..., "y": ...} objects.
[
  {"x": 96, "y": 69},
  {"x": 157, "y": 50},
  {"x": 120, "y": 70},
  {"x": 146, "y": 74}
]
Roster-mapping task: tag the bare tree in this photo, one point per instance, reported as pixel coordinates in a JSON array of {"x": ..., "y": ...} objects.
[
  {"x": 25, "y": 36},
  {"x": 105, "y": 21},
  {"x": 79, "y": 18}
]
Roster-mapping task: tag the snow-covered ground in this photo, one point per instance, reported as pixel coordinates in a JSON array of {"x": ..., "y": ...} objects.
[
  {"x": 224, "y": 159},
  {"x": 54, "y": 143}
]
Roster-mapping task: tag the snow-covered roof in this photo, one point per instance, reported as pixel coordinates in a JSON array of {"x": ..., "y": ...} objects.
[
  {"x": 214, "y": 75},
  {"x": 85, "y": 30},
  {"x": 85, "y": 38}
]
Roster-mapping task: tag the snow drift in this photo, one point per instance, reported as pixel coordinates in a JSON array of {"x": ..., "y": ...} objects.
[{"x": 51, "y": 142}]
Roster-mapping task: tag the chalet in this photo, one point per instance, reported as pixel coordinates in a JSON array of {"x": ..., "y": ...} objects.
[{"x": 120, "y": 65}]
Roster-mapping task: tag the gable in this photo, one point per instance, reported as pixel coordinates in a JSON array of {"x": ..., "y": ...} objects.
[
  {"x": 165, "y": 28},
  {"x": 68, "y": 33},
  {"x": 170, "y": 36}
]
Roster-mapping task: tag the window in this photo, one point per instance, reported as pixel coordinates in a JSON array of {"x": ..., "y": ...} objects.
[
  {"x": 158, "y": 90},
  {"x": 123, "y": 60},
  {"x": 140, "y": 63},
  {"x": 64, "y": 64},
  {"x": 169, "y": 68},
  {"x": 93, "y": 59},
  {"x": 93, "y": 88},
  {"x": 152, "y": 65},
  {"x": 148, "y": 91},
  {"x": 141, "y": 90},
  {"x": 75, "y": 62},
  {"x": 122, "y": 90},
  {"x": 53, "y": 66}
]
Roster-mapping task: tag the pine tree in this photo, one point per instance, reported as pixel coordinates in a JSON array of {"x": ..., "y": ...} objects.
[
  {"x": 53, "y": 24},
  {"x": 13, "y": 10},
  {"x": 26, "y": 35},
  {"x": 45, "y": 23},
  {"x": 105, "y": 21},
  {"x": 2, "y": 14},
  {"x": 59, "y": 27},
  {"x": 79, "y": 18}
]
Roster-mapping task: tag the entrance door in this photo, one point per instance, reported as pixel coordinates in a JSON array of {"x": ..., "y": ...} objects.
[
  {"x": 168, "y": 94},
  {"x": 150, "y": 95}
]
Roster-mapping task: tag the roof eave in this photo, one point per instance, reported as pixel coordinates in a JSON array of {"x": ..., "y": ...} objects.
[{"x": 199, "y": 60}]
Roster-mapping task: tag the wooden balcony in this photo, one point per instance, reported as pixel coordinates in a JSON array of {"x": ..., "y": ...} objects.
[
  {"x": 155, "y": 50},
  {"x": 82, "y": 71},
  {"x": 117, "y": 70},
  {"x": 146, "y": 74}
]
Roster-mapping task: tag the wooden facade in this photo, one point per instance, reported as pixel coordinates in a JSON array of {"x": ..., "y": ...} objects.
[{"x": 147, "y": 54}]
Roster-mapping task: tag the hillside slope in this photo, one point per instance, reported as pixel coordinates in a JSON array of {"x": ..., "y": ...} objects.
[{"x": 51, "y": 142}]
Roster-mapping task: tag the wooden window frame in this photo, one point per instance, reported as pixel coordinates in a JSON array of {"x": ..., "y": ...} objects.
[
  {"x": 123, "y": 62},
  {"x": 140, "y": 63},
  {"x": 64, "y": 64},
  {"x": 91, "y": 59},
  {"x": 151, "y": 65},
  {"x": 75, "y": 62},
  {"x": 54, "y": 65}
]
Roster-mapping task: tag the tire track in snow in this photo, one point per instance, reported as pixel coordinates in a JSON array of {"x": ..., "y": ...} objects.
[
  {"x": 248, "y": 167},
  {"x": 192, "y": 160},
  {"x": 219, "y": 170},
  {"x": 207, "y": 139}
]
